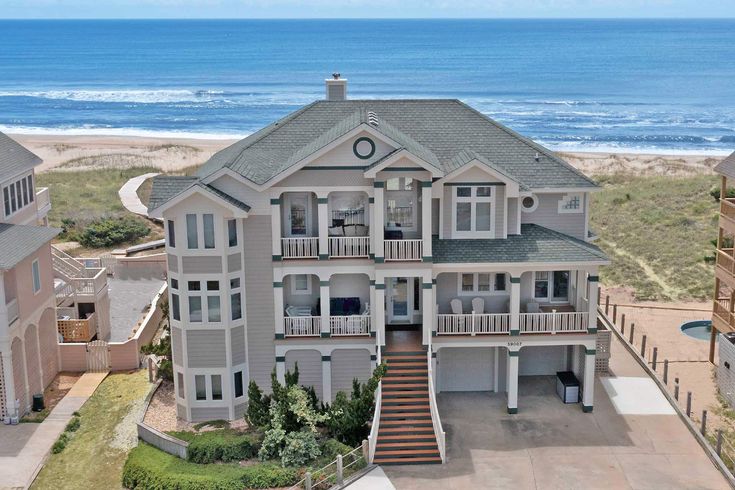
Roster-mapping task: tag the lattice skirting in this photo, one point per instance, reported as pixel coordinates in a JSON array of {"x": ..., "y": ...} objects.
[{"x": 602, "y": 357}]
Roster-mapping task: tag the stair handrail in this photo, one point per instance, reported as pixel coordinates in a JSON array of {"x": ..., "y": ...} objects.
[
  {"x": 375, "y": 428},
  {"x": 439, "y": 433}
]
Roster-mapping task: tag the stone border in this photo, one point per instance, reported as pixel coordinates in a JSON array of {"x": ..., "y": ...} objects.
[
  {"x": 716, "y": 460},
  {"x": 155, "y": 437}
]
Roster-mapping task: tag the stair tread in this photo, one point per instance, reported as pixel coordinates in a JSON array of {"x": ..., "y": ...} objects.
[
  {"x": 419, "y": 400},
  {"x": 407, "y": 437},
  {"x": 407, "y": 444},
  {"x": 407, "y": 423},
  {"x": 419, "y": 431},
  {"x": 388, "y": 377},
  {"x": 434, "y": 459},
  {"x": 399, "y": 386},
  {"x": 394, "y": 371},
  {"x": 402, "y": 392},
  {"x": 415, "y": 407},
  {"x": 406, "y": 452}
]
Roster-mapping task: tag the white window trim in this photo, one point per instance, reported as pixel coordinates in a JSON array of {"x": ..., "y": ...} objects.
[
  {"x": 297, "y": 292},
  {"x": 476, "y": 285},
  {"x": 35, "y": 266},
  {"x": 532, "y": 208},
  {"x": 568, "y": 197},
  {"x": 22, "y": 207},
  {"x": 473, "y": 200}
]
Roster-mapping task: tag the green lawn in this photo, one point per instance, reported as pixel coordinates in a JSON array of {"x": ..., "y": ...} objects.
[
  {"x": 97, "y": 451},
  {"x": 657, "y": 231}
]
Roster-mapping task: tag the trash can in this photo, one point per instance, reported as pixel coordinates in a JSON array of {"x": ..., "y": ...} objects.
[
  {"x": 567, "y": 386},
  {"x": 38, "y": 404}
]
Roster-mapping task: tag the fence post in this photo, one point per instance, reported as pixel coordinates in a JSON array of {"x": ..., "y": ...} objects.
[
  {"x": 307, "y": 481},
  {"x": 615, "y": 313},
  {"x": 676, "y": 389},
  {"x": 632, "y": 331},
  {"x": 704, "y": 422},
  {"x": 340, "y": 470},
  {"x": 366, "y": 451},
  {"x": 689, "y": 403},
  {"x": 666, "y": 371},
  {"x": 150, "y": 370},
  {"x": 622, "y": 323},
  {"x": 719, "y": 442},
  {"x": 655, "y": 355},
  {"x": 607, "y": 304},
  {"x": 643, "y": 347}
]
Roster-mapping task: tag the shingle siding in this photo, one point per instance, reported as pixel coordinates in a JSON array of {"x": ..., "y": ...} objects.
[
  {"x": 206, "y": 348},
  {"x": 310, "y": 368},
  {"x": 205, "y": 264},
  {"x": 237, "y": 342}
]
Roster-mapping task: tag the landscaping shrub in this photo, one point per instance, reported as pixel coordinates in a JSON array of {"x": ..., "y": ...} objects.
[
  {"x": 108, "y": 232},
  {"x": 166, "y": 370},
  {"x": 60, "y": 443},
  {"x": 258, "y": 405},
  {"x": 147, "y": 468},
  {"x": 332, "y": 447},
  {"x": 73, "y": 425},
  {"x": 222, "y": 445},
  {"x": 299, "y": 449}
]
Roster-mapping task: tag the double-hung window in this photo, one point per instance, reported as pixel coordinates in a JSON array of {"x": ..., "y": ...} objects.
[
  {"x": 232, "y": 232},
  {"x": 195, "y": 302},
  {"x": 472, "y": 211},
  {"x": 192, "y": 235},
  {"x": 482, "y": 283},
  {"x": 235, "y": 299},
  {"x": 213, "y": 302},
  {"x": 171, "y": 233},
  {"x": 208, "y": 220},
  {"x": 36, "y": 276}
]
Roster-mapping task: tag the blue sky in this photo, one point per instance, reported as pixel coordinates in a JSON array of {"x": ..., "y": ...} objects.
[{"x": 363, "y": 8}]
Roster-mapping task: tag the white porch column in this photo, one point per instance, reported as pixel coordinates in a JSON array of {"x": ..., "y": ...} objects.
[
  {"x": 281, "y": 368},
  {"x": 276, "y": 228},
  {"x": 592, "y": 285},
  {"x": 426, "y": 220},
  {"x": 7, "y": 368},
  {"x": 580, "y": 287},
  {"x": 428, "y": 313},
  {"x": 323, "y": 219},
  {"x": 588, "y": 388},
  {"x": 515, "y": 305},
  {"x": 373, "y": 320},
  {"x": 327, "y": 378},
  {"x": 278, "y": 308},
  {"x": 380, "y": 313},
  {"x": 324, "y": 307},
  {"x": 512, "y": 383},
  {"x": 378, "y": 227},
  {"x": 373, "y": 225}
]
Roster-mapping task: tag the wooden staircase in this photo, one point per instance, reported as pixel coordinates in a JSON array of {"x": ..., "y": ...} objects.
[{"x": 406, "y": 433}]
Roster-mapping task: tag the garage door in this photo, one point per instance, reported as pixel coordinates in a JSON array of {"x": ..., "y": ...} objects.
[
  {"x": 466, "y": 369},
  {"x": 310, "y": 368},
  {"x": 547, "y": 360},
  {"x": 348, "y": 364}
]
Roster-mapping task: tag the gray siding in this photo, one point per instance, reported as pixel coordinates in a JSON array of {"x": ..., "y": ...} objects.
[
  {"x": 173, "y": 263},
  {"x": 237, "y": 342},
  {"x": 512, "y": 215},
  {"x": 348, "y": 364},
  {"x": 177, "y": 346},
  {"x": 499, "y": 210},
  {"x": 259, "y": 298},
  {"x": 447, "y": 212},
  {"x": 310, "y": 368},
  {"x": 240, "y": 410},
  {"x": 435, "y": 216},
  {"x": 320, "y": 178},
  {"x": 447, "y": 290},
  {"x": 180, "y": 411},
  {"x": 202, "y": 414},
  {"x": 205, "y": 264},
  {"x": 206, "y": 348},
  {"x": 547, "y": 214},
  {"x": 234, "y": 263}
]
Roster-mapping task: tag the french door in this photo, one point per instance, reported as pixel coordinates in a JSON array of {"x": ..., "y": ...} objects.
[{"x": 298, "y": 215}]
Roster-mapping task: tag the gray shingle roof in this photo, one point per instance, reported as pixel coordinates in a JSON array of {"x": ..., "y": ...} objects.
[
  {"x": 727, "y": 166},
  {"x": 437, "y": 131},
  {"x": 20, "y": 241},
  {"x": 14, "y": 157},
  {"x": 166, "y": 187},
  {"x": 535, "y": 244}
]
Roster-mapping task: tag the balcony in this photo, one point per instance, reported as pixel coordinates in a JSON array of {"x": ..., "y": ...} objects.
[
  {"x": 554, "y": 322},
  {"x": 43, "y": 202},
  {"x": 403, "y": 250},
  {"x": 302, "y": 326},
  {"x": 300, "y": 248},
  {"x": 473, "y": 324},
  {"x": 723, "y": 318}
]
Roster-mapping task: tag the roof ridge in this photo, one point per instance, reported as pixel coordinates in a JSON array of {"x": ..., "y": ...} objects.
[{"x": 528, "y": 142}]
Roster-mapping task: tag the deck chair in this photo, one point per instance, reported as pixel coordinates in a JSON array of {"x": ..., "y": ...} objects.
[
  {"x": 456, "y": 305},
  {"x": 478, "y": 305}
]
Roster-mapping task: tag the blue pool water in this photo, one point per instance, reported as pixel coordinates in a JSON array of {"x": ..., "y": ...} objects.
[
  {"x": 699, "y": 329},
  {"x": 571, "y": 84}
]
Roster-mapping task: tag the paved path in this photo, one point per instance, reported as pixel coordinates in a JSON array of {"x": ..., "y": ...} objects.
[
  {"x": 373, "y": 480},
  {"x": 19, "y": 469},
  {"x": 129, "y": 194}
]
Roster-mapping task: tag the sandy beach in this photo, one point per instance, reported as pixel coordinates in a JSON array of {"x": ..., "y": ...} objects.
[{"x": 64, "y": 152}]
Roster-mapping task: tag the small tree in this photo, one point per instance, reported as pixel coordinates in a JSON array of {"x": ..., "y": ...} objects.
[{"x": 258, "y": 406}]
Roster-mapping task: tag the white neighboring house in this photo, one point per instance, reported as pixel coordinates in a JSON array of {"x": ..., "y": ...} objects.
[{"x": 315, "y": 239}]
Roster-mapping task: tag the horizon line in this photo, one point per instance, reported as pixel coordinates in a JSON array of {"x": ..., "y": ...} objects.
[{"x": 353, "y": 18}]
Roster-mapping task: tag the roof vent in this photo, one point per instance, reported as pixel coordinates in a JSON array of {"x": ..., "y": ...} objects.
[
  {"x": 336, "y": 87},
  {"x": 372, "y": 118},
  {"x": 537, "y": 157}
]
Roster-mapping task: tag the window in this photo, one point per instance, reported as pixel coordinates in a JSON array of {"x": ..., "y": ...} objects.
[
  {"x": 13, "y": 202},
  {"x": 192, "y": 236},
  {"x": 213, "y": 309},
  {"x": 36, "y": 276},
  {"x": 208, "y": 230},
  {"x": 212, "y": 285},
  {"x": 193, "y": 285},
  {"x": 570, "y": 204},
  {"x": 24, "y": 185},
  {"x": 238, "y": 384},
  {"x": 175, "y": 307},
  {"x": 541, "y": 285},
  {"x": 30, "y": 187},
  {"x": 232, "y": 232},
  {"x": 216, "y": 387},
  {"x": 300, "y": 284},
  {"x": 180, "y": 379},
  {"x": 174, "y": 283},
  {"x": 171, "y": 233},
  {"x": 195, "y": 309},
  {"x": 529, "y": 203},
  {"x": 552, "y": 286},
  {"x": 235, "y": 283},
  {"x": 473, "y": 283},
  {"x": 6, "y": 201},
  {"x": 236, "y": 306},
  {"x": 201, "y": 386},
  {"x": 473, "y": 211}
]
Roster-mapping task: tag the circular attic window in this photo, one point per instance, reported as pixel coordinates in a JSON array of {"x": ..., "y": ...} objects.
[
  {"x": 529, "y": 203},
  {"x": 363, "y": 148}
]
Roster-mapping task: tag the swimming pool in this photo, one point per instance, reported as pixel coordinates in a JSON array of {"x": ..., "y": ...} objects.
[{"x": 698, "y": 329}]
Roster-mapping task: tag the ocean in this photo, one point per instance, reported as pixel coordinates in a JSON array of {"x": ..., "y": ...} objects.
[{"x": 607, "y": 85}]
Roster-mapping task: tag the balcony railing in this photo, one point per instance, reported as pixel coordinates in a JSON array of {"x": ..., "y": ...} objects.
[
  {"x": 721, "y": 309},
  {"x": 398, "y": 250},
  {"x": 725, "y": 260},
  {"x": 473, "y": 324},
  {"x": 12, "y": 308},
  {"x": 43, "y": 201},
  {"x": 300, "y": 248},
  {"x": 727, "y": 208},
  {"x": 557, "y": 322},
  {"x": 302, "y": 326},
  {"x": 349, "y": 325},
  {"x": 349, "y": 246},
  {"x": 78, "y": 330}
]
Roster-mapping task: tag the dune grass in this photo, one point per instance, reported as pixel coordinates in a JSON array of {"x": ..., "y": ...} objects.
[
  {"x": 94, "y": 456},
  {"x": 657, "y": 231}
]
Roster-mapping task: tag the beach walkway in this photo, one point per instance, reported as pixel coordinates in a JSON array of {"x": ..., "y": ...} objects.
[
  {"x": 129, "y": 194},
  {"x": 25, "y": 447}
]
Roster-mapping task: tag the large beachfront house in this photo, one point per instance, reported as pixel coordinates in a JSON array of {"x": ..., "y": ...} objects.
[{"x": 353, "y": 229}]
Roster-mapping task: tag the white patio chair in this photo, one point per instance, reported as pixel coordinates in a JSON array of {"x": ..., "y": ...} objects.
[
  {"x": 478, "y": 306},
  {"x": 456, "y": 305}
]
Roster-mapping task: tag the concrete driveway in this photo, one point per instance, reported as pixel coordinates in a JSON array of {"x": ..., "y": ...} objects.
[{"x": 549, "y": 445}]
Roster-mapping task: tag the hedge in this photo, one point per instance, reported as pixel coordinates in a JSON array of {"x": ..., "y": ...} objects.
[
  {"x": 220, "y": 445},
  {"x": 147, "y": 468}
]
